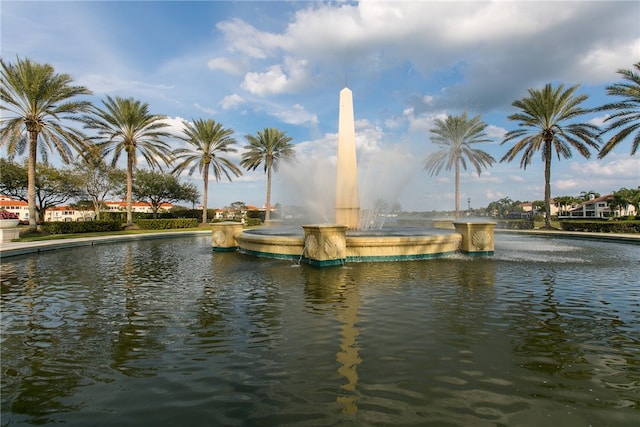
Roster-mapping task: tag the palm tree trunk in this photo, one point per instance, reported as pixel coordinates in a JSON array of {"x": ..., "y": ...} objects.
[
  {"x": 130, "y": 157},
  {"x": 457, "y": 190},
  {"x": 205, "y": 176},
  {"x": 31, "y": 180},
  {"x": 547, "y": 184},
  {"x": 267, "y": 213}
]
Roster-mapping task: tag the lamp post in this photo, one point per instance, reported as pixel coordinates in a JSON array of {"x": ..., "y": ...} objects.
[{"x": 469, "y": 204}]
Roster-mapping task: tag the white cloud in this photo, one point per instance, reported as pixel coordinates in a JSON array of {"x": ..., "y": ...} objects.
[
  {"x": 567, "y": 184},
  {"x": 231, "y": 102},
  {"x": 248, "y": 40},
  {"x": 618, "y": 168},
  {"x": 209, "y": 111},
  {"x": 281, "y": 78},
  {"x": 175, "y": 125},
  {"x": 296, "y": 115},
  {"x": 495, "y": 132},
  {"x": 227, "y": 65},
  {"x": 516, "y": 178}
]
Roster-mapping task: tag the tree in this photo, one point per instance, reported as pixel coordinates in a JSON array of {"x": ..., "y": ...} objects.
[
  {"x": 546, "y": 125},
  {"x": 625, "y": 197},
  {"x": 98, "y": 180},
  {"x": 125, "y": 125},
  {"x": 157, "y": 188},
  {"x": 588, "y": 195},
  {"x": 39, "y": 100},
  {"x": 455, "y": 136},
  {"x": 501, "y": 208},
  {"x": 53, "y": 187},
  {"x": 563, "y": 202},
  {"x": 207, "y": 140},
  {"x": 626, "y": 117},
  {"x": 14, "y": 180},
  {"x": 269, "y": 147}
]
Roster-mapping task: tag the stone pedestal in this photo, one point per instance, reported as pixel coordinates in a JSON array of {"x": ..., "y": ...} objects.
[
  {"x": 223, "y": 236},
  {"x": 477, "y": 237},
  {"x": 8, "y": 234},
  {"x": 325, "y": 245}
]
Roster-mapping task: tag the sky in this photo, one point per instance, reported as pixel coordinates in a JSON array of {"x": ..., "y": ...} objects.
[{"x": 251, "y": 65}]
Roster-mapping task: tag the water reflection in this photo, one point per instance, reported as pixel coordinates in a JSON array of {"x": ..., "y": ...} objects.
[
  {"x": 331, "y": 287},
  {"x": 167, "y": 332}
]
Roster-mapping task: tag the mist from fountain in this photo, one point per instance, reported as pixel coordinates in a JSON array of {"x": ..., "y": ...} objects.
[{"x": 306, "y": 189}]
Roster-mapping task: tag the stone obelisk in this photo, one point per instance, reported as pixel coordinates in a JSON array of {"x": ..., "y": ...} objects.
[{"x": 347, "y": 197}]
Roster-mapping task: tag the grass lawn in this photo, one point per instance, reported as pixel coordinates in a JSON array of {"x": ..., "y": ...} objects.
[{"x": 540, "y": 224}]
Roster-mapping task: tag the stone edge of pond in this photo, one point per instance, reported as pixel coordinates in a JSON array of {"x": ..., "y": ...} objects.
[
  {"x": 9, "y": 249},
  {"x": 613, "y": 237}
]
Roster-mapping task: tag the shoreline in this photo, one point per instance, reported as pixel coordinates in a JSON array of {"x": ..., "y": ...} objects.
[
  {"x": 9, "y": 249},
  {"x": 613, "y": 237}
]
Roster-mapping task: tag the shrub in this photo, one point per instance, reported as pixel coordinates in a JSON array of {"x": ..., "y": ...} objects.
[
  {"x": 167, "y": 224},
  {"x": 515, "y": 224},
  {"x": 81, "y": 227},
  {"x": 8, "y": 215},
  {"x": 251, "y": 222},
  {"x": 602, "y": 226}
]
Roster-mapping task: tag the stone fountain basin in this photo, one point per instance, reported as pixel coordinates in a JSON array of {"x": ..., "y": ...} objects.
[{"x": 401, "y": 244}]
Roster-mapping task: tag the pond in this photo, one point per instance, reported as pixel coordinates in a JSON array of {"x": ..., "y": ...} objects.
[{"x": 167, "y": 332}]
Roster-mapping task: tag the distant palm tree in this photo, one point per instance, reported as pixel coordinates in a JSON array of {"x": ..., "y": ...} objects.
[
  {"x": 588, "y": 195},
  {"x": 455, "y": 135},
  {"x": 125, "y": 125},
  {"x": 544, "y": 118},
  {"x": 207, "y": 140},
  {"x": 626, "y": 118},
  {"x": 269, "y": 147},
  {"x": 39, "y": 99}
]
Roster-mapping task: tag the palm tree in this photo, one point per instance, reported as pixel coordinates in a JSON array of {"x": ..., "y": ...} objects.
[
  {"x": 206, "y": 139},
  {"x": 270, "y": 146},
  {"x": 125, "y": 124},
  {"x": 38, "y": 99},
  {"x": 455, "y": 135},
  {"x": 544, "y": 118},
  {"x": 626, "y": 118}
]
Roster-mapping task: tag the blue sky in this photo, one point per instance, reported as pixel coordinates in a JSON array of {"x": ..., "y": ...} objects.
[{"x": 251, "y": 65}]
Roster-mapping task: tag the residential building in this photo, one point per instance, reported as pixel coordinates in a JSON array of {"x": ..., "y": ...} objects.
[
  {"x": 17, "y": 207},
  {"x": 599, "y": 207}
]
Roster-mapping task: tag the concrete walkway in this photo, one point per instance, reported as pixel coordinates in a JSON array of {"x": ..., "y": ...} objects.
[{"x": 8, "y": 249}]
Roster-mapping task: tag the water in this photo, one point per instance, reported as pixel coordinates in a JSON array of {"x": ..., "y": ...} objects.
[{"x": 165, "y": 332}]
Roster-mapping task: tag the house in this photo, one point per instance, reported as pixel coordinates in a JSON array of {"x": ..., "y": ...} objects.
[
  {"x": 17, "y": 207},
  {"x": 599, "y": 207},
  {"x": 142, "y": 207},
  {"x": 528, "y": 207},
  {"x": 68, "y": 214}
]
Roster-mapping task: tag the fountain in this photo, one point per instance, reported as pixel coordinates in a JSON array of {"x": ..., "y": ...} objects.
[{"x": 349, "y": 238}]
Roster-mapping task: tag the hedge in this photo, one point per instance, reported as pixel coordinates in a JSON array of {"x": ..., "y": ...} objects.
[
  {"x": 602, "y": 226},
  {"x": 166, "y": 224},
  {"x": 81, "y": 227},
  {"x": 514, "y": 224}
]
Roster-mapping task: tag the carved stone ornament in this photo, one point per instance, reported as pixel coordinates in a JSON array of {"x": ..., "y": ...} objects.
[
  {"x": 481, "y": 239},
  {"x": 311, "y": 246},
  {"x": 332, "y": 246},
  {"x": 219, "y": 238}
]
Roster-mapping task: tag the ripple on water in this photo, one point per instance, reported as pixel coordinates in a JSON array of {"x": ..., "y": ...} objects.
[{"x": 166, "y": 332}]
